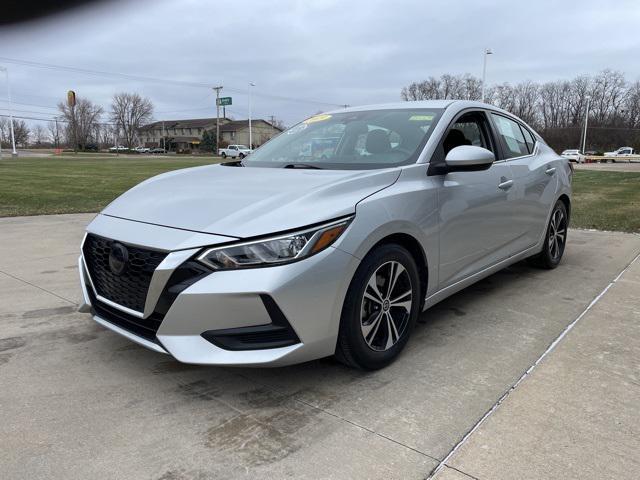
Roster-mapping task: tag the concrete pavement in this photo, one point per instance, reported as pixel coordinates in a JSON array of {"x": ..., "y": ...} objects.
[
  {"x": 577, "y": 415},
  {"x": 78, "y": 401}
]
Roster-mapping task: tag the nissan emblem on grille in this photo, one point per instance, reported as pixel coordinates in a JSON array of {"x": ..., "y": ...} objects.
[{"x": 118, "y": 258}]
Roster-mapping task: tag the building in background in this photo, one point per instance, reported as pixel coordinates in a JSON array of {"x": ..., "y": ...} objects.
[{"x": 186, "y": 135}]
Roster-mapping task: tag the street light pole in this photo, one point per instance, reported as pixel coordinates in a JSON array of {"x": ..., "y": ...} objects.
[
  {"x": 251, "y": 84},
  {"x": 13, "y": 139},
  {"x": 586, "y": 122},
  {"x": 487, "y": 52}
]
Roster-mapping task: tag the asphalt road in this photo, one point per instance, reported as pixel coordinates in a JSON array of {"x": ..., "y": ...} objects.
[{"x": 77, "y": 401}]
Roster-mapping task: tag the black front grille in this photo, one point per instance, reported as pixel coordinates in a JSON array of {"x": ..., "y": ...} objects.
[
  {"x": 145, "y": 328},
  {"x": 129, "y": 289}
]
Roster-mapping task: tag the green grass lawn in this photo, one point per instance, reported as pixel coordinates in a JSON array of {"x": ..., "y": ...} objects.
[
  {"x": 606, "y": 201},
  {"x": 34, "y": 186},
  {"x": 70, "y": 184}
]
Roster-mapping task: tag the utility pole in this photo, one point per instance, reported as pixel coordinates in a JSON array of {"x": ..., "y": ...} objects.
[
  {"x": 487, "y": 52},
  {"x": 586, "y": 121},
  {"x": 217, "y": 89},
  {"x": 164, "y": 138},
  {"x": 251, "y": 84}
]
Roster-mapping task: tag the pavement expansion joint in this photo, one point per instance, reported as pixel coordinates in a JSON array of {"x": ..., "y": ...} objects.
[{"x": 38, "y": 287}]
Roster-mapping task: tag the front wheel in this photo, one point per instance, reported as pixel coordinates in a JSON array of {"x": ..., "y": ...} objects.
[
  {"x": 241, "y": 156},
  {"x": 380, "y": 309},
  {"x": 555, "y": 239}
]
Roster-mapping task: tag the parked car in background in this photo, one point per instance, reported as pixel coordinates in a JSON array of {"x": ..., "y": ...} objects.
[
  {"x": 234, "y": 151},
  {"x": 142, "y": 149},
  {"x": 157, "y": 150},
  {"x": 619, "y": 153},
  {"x": 119, "y": 148},
  {"x": 288, "y": 257},
  {"x": 573, "y": 156}
]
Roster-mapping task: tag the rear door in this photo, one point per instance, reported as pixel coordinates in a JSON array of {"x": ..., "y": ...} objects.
[
  {"x": 535, "y": 179},
  {"x": 476, "y": 217}
]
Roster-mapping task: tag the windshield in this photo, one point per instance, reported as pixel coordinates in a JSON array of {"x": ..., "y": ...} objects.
[{"x": 350, "y": 140}]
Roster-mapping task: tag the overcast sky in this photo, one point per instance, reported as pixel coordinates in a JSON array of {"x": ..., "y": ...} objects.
[{"x": 332, "y": 51}]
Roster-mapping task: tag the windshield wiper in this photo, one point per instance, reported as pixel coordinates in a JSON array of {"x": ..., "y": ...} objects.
[{"x": 302, "y": 165}]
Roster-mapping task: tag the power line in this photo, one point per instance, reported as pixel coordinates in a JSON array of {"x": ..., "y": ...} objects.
[
  {"x": 182, "y": 83},
  {"x": 60, "y": 120},
  {"x": 28, "y": 104}
]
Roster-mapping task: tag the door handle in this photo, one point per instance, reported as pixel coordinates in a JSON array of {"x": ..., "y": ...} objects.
[
  {"x": 550, "y": 171},
  {"x": 505, "y": 185}
]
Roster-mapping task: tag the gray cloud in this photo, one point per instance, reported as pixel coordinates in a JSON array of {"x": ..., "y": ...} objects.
[{"x": 328, "y": 50}]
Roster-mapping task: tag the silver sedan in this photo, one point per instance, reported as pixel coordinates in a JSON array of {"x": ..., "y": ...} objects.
[{"x": 328, "y": 240}]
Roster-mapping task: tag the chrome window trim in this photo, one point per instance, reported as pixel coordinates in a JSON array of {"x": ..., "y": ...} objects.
[{"x": 532, "y": 154}]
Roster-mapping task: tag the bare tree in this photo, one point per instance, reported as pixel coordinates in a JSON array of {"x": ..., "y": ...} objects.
[
  {"x": 447, "y": 86},
  {"x": 38, "y": 135},
  {"x": 5, "y": 138},
  {"x": 607, "y": 96},
  {"x": 55, "y": 133},
  {"x": 80, "y": 121},
  {"x": 632, "y": 105},
  {"x": 129, "y": 111},
  {"x": 21, "y": 132}
]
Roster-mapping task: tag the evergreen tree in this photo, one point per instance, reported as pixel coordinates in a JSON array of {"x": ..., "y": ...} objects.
[{"x": 208, "y": 143}]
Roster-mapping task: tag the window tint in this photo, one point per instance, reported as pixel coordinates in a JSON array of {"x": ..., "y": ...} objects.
[
  {"x": 531, "y": 141},
  {"x": 512, "y": 137},
  {"x": 467, "y": 130}
]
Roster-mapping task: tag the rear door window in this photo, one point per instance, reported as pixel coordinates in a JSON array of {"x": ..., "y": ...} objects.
[
  {"x": 531, "y": 141},
  {"x": 511, "y": 136}
]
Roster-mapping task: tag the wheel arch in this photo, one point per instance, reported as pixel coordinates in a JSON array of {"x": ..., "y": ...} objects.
[
  {"x": 564, "y": 198},
  {"x": 417, "y": 252}
]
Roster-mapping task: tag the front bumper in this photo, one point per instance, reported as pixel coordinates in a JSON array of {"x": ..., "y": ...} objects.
[{"x": 309, "y": 294}]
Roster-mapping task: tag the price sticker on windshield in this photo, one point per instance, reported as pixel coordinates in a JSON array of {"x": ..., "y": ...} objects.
[
  {"x": 421, "y": 118},
  {"x": 317, "y": 118}
]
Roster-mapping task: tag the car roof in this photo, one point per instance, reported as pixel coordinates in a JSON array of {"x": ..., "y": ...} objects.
[{"x": 412, "y": 105}]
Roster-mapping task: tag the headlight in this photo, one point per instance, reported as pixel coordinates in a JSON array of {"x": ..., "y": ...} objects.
[{"x": 275, "y": 250}]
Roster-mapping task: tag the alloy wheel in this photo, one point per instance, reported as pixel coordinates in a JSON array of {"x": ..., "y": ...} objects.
[
  {"x": 386, "y": 306},
  {"x": 557, "y": 234}
]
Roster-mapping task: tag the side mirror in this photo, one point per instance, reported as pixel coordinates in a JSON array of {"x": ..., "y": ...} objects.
[{"x": 469, "y": 158}]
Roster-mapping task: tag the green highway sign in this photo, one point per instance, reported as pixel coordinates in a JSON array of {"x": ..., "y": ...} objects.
[{"x": 224, "y": 101}]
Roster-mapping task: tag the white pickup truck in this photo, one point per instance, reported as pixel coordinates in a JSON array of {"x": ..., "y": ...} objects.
[
  {"x": 621, "y": 152},
  {"x": 234, "y": 151}
]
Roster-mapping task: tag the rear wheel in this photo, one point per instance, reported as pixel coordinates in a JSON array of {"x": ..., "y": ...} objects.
[
  {"x": 555, "y": 239},
  {"x": 380, "y": 309},
  {"x": 224, "y": 155}
]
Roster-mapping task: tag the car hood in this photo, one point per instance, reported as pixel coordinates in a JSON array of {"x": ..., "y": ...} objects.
[{"x": 246, "y": 202}]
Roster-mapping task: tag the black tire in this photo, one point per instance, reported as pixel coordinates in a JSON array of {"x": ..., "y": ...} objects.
[
  {"x": 555, "y": 238},
  {"x": 241, "y": 156},
  {"x": 224, "y": 155},
  {"x": 384, "y": 340}
]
